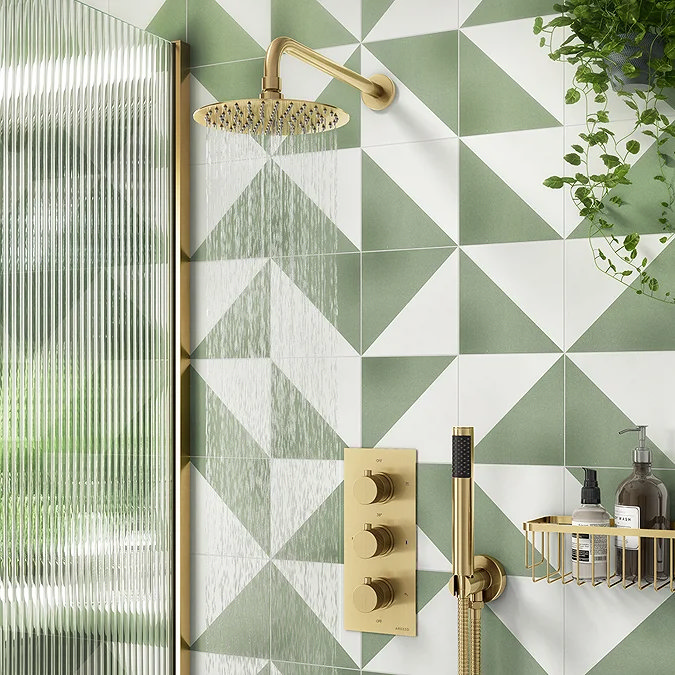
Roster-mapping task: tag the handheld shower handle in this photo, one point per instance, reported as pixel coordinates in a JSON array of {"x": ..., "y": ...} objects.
[{"x": 462, "y": 501}]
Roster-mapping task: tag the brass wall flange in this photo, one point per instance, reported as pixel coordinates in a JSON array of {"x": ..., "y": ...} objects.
[{"x": 497, "y": 574}]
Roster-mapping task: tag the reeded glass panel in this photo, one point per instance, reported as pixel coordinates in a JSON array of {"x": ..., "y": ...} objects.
[{"x": 85, "y": 378}]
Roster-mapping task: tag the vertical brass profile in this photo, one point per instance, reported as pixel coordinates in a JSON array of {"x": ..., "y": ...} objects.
[{"x": 181, "y": 292}]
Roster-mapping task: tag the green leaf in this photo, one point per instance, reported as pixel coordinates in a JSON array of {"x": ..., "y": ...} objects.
[
  {"x": 653, "y": 285},
  {"x": 631, "y": 241},
  {"x": 572, "y": 158},
  {"x": 610, "y": 161},
  {"x": 572, "y": 95},
  {"x": 542, "y": 41},
  {"x": 633, "y": 147},
  {"x": 554, "y": 182},
  {"x": 669, "y": 50},
  {"x": 660, "y": 178},
  {"x": 663, "y": 240},
  {"x": 626, "y": 273},
  {"x": 649, "y": 116},
  {"x": 560, "y": 21},
  {"x": 602, "y": 116},
  {"x": 577, "y": 148},
  {"x": 538, "y": 25},
  {"x": 600, "y": 98},
  {"x": 629, "y": 70}
]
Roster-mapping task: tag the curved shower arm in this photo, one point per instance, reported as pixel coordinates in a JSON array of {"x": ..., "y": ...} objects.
[{"x": 377, "y": 92}]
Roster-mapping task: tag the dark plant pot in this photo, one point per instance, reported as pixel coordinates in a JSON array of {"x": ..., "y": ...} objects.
[{"x": 651, "y": 47}]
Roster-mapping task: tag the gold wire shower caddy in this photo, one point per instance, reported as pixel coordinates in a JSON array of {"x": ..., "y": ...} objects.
[{"x": 549, "y": 558}]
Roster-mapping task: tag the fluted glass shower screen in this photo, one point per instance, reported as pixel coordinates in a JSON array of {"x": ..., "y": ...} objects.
[{"x": 86, "y": 516}]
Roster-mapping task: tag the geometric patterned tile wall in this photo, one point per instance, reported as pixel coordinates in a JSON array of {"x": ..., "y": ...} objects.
[{"x": 465, "y": 293}]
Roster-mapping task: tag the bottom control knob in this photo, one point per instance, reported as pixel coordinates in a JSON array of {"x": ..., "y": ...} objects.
[{"x": 373, "y": 594}]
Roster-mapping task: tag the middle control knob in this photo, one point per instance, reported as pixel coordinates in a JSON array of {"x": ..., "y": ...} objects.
[{"x": 373, "y": 541}]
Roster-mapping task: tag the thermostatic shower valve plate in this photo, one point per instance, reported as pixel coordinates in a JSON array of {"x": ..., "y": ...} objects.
[{"x": 380, "y": 541}]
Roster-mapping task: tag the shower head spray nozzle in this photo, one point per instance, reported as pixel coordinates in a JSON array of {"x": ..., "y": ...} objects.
[{"x": 273, "y": 114}]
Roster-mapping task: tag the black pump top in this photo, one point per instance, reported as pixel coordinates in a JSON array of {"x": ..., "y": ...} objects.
[{"x": 590, "y": 492}]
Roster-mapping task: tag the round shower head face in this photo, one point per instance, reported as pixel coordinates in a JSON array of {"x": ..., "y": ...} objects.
[{"x": 279, "y": 117}]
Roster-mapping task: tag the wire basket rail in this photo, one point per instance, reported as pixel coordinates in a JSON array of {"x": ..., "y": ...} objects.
[{"x": 550, "y": 540}]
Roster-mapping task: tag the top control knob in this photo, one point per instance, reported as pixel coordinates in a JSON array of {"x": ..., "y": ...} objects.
[{"x": 373, "y": 488}]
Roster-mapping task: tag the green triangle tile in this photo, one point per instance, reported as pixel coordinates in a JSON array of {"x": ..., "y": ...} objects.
[
  {"x": 297, "y": 634},
  {"x": 286, "y": 668},
  {"x": 633, "y": 322},
  {"x": 320, "y": 537},
  {"x": 428, "y": 586},
  {"x": 298, "y": 430},
  {"x": 495, "y": 11},
  {"x": 266, "y": 670},
  {"x": 390, "y": 280},
  {"x": 231, "y": 81},
  {"x": 371, "y": 12},
  {"x": 242, "y": 231},
  {"x": 641, "y": 210},
  {"x": 497, "y": 536},
  {"x": 434, "y": 503},
  {"x": 421, "y": 63},
  {"x": 502, "y": 652},
  {"x": 214, "y": 430},
  {"x": 541, "y": 412},
  {"x": 349, "y": 99},
  {"x": 372, "y": 644},
  {"x": 244, "y": 485},
  {"x": 310, "y": 23},
  {"x": 490, "y": 211},
  {"x": 169, "y": 22},
  {"x": 244, "y": 329},
  {"x": 390, "y": 385},
  {"x": 243, "y": 628},
  {"x": 333, "y": 284},
  {"x": 216, "y": 37},
  {"x": 592, "y": 425},
  {"x": 498, "y": 104},
  {"x": 390, "y": 218},
  {"x": 646, "y": 649},
  {"x": 490, "y": 322}
]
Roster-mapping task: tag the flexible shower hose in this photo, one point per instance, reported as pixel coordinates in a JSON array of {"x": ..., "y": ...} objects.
[
  {"x": 463, "y": 636},
  {"x": 475, "y": 640}
]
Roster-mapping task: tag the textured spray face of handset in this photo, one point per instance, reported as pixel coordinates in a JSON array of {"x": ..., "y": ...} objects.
[{"x": 477, "y": 579}]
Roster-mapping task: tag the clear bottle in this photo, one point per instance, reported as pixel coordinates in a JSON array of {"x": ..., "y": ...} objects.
[
  {"x": 642, "y": 501},
  {"x": 591, "y": 512}
]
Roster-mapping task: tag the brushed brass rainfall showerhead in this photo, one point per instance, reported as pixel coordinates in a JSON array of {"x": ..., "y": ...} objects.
[{"x": 273, "y": 114}]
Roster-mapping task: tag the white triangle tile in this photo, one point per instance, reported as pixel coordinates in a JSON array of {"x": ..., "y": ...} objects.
[
  {"x": 298, "y": 488},
  {"x": 491, "y": 384},
  {"x": 216, "y": 531},
  {"x": 608, "y": 614},
  {"x": 199, "y": 96},
  {"x": 427, "y": 653},
  {"x": 406, "y": 120},
  {"x": 588, "y": 292},
  {"x": 100, "y": 5},
  {"x": 428, "y": 324},
  {"x": 275, "y": 670},
  {"x": 427, "y": 424},
  {"x": 429, "y": 558},
  {"x": 254, "y": 16},
  {"x": 539, "y": 155},
  {"x": 513, "y": 47},
  {"x": 304, "y": 82},
  {"x": 572, "y": 494},
  {"x": 244, "y": 386},
  {"x": 347, "y": 12},
  {"x": 297, "y": 326},
  {"x": 415, "y": 17},
  {"x": 513, "y": 267},
  {"x": 138, "y": 14},
  {"x": 215, "y": 581},
  {"x": 204, "y": 663},
  {"x": 640, "y": 385},
  {"x": 523, "y": 492},
  {"x": 303, "y": 169},
  {"x": 534, "y": 614},
  {"x": 320, "y": 585},
  {"x": 333, "y": 387},
  {"x": 214, "y": 286},
  {"x": 466, "y": 9},
  {"x": 428, "y": 173}
]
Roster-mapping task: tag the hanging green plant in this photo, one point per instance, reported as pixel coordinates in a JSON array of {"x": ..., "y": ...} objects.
[{"x": 628, "y": 45}]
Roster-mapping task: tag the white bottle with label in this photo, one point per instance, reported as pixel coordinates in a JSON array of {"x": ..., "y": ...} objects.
[{"x": 589, "y": 552}]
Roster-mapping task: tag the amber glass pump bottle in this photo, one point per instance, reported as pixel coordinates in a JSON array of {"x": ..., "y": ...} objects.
[{"x": 642, "y": 501}]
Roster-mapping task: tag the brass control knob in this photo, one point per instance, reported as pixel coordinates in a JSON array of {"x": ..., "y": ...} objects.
[
  {"x": 373, "y": 541},
  {"x": 373, "y": 594},
  {"x": 373, "y": 488}
]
